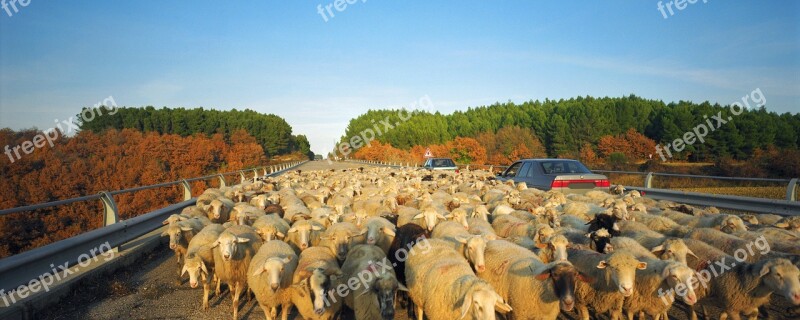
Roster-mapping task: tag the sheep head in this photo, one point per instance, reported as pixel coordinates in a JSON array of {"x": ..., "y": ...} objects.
[
  {"x": 622, "y": 271},
  {"x": 481, "y": 301},
  {"x": 275, "y": 268}
]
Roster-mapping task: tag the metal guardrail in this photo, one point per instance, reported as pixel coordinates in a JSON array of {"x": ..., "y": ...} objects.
[
  {"x": 24, "y": 268},
  {"x": 791, "y": 187}
]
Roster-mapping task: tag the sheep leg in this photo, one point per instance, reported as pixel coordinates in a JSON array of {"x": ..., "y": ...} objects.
[
  {"x": 630, "y": 315},
  {"x": 642, "y": 316},
  {"x": 206, "y": 290},
  {"x": 615, "y": 314},
  {"x": 180, "y": 265},
  {"x": 419, "y": 313},
  {"x": 752, "y": 314},
  {"x": 237, "y": 290},
  {"x": 219, "y": 282},
  {"x": 266, "y": 309},
  {"x": 583, "y": 312},
  {"x": 287, "y": 307}
]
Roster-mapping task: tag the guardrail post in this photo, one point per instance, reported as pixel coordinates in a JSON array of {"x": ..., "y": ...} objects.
[
  {"x": 222, "y": 182},
  {"x": 110, "y": 213},
  {"x": 187, "y": 190},
  {"x": 791, "y": 190},
  {"x": 648, "y": 180},
  {"x": 242, "y": 178},
  {"x": 265, "y": 171},
  {"x": 491, "y": 169}
]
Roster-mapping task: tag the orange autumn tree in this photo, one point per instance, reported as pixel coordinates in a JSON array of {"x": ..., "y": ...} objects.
[
  {"x": 466, "y": 151},
  {"x": 634, "y": 145},
  {"x": 112, "y": 160}
]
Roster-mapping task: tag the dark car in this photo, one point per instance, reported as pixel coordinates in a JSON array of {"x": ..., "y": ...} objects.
[{"x": 568, "y": 176}]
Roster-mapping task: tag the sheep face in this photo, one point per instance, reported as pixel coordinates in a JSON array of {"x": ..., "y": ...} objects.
[
  {"x": 679, "y": 274},
  {"x": 481, "y": 212},
  {"x": 782, "y": 277},
  {"x": 274, "y": 268},
  {"x": 176, "y": 237},
  {"x": 228, "y": 244},
  {"x": 673, "y": 249},
  {"x": 196, "y": 269},
  {"x": 474, "y": 250},
  {"x": 620, "y": 271},
  {"x": 339, "y": 243},
  {"x": 269, "y": 233},
  {"x": 260, "y": 202},
  {"x": 732, "y": 224},
  {"x": 430, "y": 217},
  {"x": 175, "y": 218},
  {"x": 459, "y": 216},
  {"x": 563, "y": 277},
  {"x": 558, "y": 246},
  {"x": 303, "y": 229},
  {"x": 482, "y": 302},
  {"x": 218, "y": 210},
  {"x": 601, "y": 241},
  {"x": 385, "y": 287},
  {"x": 541, "y": 233},
  {"x": 318, "y": 284},
  {"x": 376, "y": 232}
]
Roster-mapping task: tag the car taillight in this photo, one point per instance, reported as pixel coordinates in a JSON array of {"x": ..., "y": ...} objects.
[
  {"x": 456, "y": 170},
  {"x": 565, "y": 183}
]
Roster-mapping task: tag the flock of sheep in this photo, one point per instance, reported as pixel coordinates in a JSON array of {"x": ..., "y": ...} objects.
[{"x": 449, "y": 245}]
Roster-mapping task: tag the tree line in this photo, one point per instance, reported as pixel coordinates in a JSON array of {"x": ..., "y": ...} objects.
[
  {"x": 588, "y": 126},
  {"x": 272, "y": 132}
]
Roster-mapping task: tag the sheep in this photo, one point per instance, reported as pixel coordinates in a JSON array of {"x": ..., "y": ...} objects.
[
  {"x": 374, "y": 296},
  {"x": 220, "y": 209},
  {"x": 471, "y": 246},
  {"x": 233, "y": 251},
  {"x": 779, "y": 239},
  {"x": 731, "y": 244},
  {"x": 655, "y": 222},
  {"x": 427, "y": 218},
  {"x": 554, "y": 249},
  {"x": 459, "y": 215},
  {"x": 260, "y": 201},
  {"x": 665, "y": 248},
  {"x": 482, "y": 227},
  {"x": 180, "y": 233},
  {"x": 380, "y": 232},
  {"x": 789, "y": 223},
  {"x": 614, "y": 276},
  {"x": 442, "y": 285},
  {"x": 521, "y": 279},
  {"x": 655, "y": 288},
  {"x": 303, "y": 234},
  {"x": 270, "y": 227},
  {"x": 617, "y": 189},
  {"x": 199, "y": 262},
  {"x": 313, "y": 279},
  {"x": 274, "y": 209},
  {"x": 243, "y": 213},
  {"x": 296, "y": 211},
  {"x": 270, "y": 278},
  {"x": 743, "y": 287},
  {"x": 338, "y": 238},
  {"x": 507, "y": 225},
  {"x": 604, "y": 221}
]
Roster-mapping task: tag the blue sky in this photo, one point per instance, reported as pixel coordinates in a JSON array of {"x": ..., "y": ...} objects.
[{"x": 282, "y": 57}]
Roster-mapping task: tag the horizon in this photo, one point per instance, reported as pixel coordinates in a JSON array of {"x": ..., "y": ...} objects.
[{"x": 318, "y": 71}]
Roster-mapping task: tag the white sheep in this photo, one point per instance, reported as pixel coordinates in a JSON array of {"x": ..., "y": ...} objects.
[
  {"x": 303, "y": 234},
  {"x": 180, "y": 233},
  {"x": 220, "y": 209},
  {"x": 338, "y": 238},
  {"x": 199, "y": 262},
  {"x": 233, "y": 251},
  {"x": 471, "y": 246},
  {"x": 270, "y": 278},
  {"x": 317, "y": 269},
  {"x": 373, "y": 296},
  {"x": 270, "y": 227},
  {"x": 533, "y": 289},
  {"x": 614, "y": 274},
  {"x": 379, "y": 231},
  {"x": 442, "y": 285}
]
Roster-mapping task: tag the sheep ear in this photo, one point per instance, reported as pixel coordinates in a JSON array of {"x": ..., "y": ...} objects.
[
  {"x": 491, "y": 237},
  {"x": 363, "y": 232},
  {"x": 166, "y": 222},
  {"x": 541, "y": 245},
  {"x": 215, "y": 244},
  {"x": 782, "y": 225},
  {"x": 418, "y": 216},
  {"x": 316, "y": 228},
  {"x": 447, "y": 216},
  {"x": 543, "y": 276},
  {"x": 601, "y": 265},
  {"x": 286, "y": 260},
  {"x": 440, "y": 216},
  {"x": 164, "y": 234},
  {"x": 401, "y": 287},
  {"x": 657, "y": 250},
  {"x": 242, "y": 240},
  {"x": 764, "y": 270},
  {"x": 588, "y": 235},
  {"x": 292, "y": 230},
  {"x": 388, "y": 231},
  {"x": 641, "y": 265},
  {"x": 185, "y": 228},
  {"x": 203, "y": 267},
  {"x": 500, "y": 305},
  {"x": 280, "y": 235},
  {"x": 462, "y": 239},
  {"x": 258, "y": 271},
  {"x": 184, "y": 270},
  {"x": 466, "y": 305},
  {"x": 689, "y": 251}
]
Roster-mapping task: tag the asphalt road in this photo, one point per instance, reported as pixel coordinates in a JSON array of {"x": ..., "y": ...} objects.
[{"x": 146, "y": 290}]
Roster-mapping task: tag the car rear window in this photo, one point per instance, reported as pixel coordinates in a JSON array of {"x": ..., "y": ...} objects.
[
  {"x": 443, "y": 163},
  {"x": 563, "y": 167}
]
